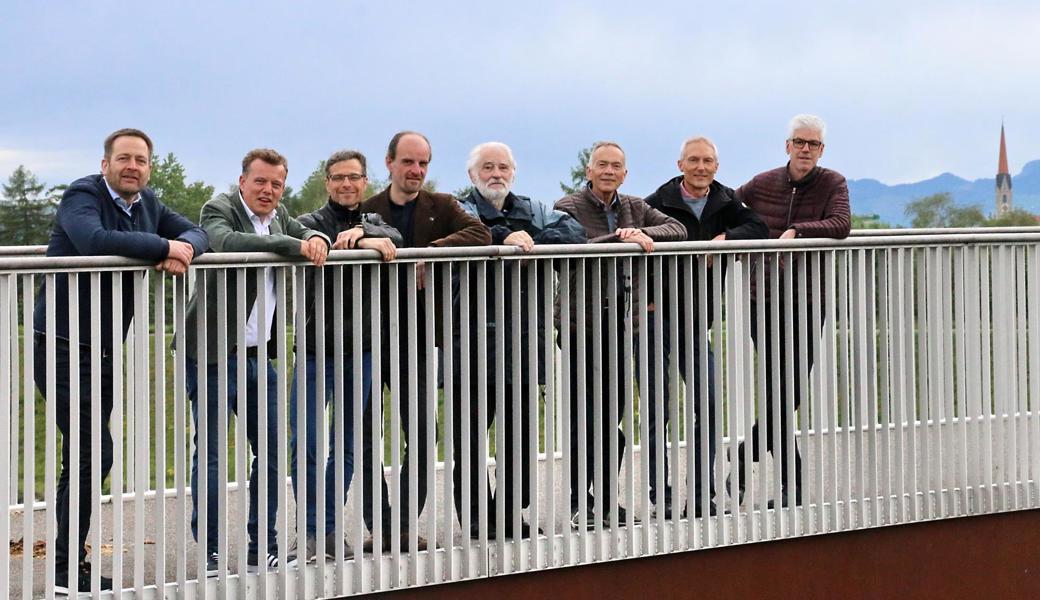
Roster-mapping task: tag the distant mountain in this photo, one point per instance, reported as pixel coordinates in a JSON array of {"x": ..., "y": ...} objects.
[{"x": 870, "y": 196}]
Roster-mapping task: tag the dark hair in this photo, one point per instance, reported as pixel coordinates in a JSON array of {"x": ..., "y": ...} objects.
[
  {"x": 391, "y": 150},
  {"x": 267, "y": 155},
  {"x": 344, "y": 155},
  {"x": 127, "y": 132}
]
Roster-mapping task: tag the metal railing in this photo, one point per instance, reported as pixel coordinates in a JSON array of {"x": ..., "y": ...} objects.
[{"x": 918, "y": 405}]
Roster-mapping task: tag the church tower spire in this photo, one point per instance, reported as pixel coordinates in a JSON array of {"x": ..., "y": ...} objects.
[{"x": 1003, "y": 177}]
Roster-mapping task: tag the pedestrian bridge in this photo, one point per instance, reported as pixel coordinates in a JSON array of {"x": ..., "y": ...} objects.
[{"x": 921, "y": 406}]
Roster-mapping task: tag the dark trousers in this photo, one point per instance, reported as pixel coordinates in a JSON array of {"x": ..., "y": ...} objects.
[
  {"x": 250, "y": 379},
  {"x": 421, "y": 450},
  {"x": 686, "y": 346},
  {"x": 506, "y": 471},
  {"x": 582, "y": 391},
  {"x": 64, "y": 405},
  {"x": 763, "y": 348}
]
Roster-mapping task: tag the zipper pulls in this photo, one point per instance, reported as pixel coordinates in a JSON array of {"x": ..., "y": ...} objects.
[{"x": 790, "y": 206}]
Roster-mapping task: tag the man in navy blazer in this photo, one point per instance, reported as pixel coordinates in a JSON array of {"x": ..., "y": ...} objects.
[{"x": 109, "y": 214}]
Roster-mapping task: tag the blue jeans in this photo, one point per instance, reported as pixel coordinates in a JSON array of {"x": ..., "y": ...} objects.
[
  {"x": 311, "y": 435},
  {"x": 252, "y": 433}
]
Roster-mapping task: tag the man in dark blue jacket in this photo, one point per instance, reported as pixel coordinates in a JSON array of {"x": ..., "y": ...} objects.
[
  {"x": 709, "y": 211},
  {"x": 517, "y": 221},
  {"x": 110, "y": 214}
]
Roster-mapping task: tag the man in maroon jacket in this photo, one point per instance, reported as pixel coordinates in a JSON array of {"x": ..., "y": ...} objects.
[{"x": 799, "y": 200}]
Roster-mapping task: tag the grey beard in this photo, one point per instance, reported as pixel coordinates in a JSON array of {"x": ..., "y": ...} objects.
[{"x": 497, "y": 198}]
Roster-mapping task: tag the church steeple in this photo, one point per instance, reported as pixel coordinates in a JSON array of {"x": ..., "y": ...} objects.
[{"x": 1003, "y": 177}]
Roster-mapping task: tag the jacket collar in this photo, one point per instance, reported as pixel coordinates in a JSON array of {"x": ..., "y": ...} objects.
[
  {"x": 515, "y": 207},
  {"x": 672, "y": 197},
  {"x": 806, "y": 181}
]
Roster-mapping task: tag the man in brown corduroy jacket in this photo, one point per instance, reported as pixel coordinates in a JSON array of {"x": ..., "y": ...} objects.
[
  {"x": 425, "y": 219},
  {"x": 607, "y": 216},
  {"x": 799, "y": 200}
]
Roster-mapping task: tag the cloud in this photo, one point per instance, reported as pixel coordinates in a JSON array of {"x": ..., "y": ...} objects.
[{"x": 51, "y": 166}]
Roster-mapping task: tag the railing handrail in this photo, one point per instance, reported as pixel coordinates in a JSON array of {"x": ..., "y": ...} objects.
[{"x": 29, "y": 260}]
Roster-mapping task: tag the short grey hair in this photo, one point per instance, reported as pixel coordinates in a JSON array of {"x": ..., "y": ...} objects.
[
  {"x": 474, "y": 155},
  {"x": 698, "y": 138},
  {"x": 807, "y": 122},
  {"x": 606, "y": 144}
]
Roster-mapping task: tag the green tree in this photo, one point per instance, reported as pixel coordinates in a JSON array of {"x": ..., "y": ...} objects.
[
  {"x": 168, "y": 180},
  {"x": 938, "y": 210},
  {"x": 26, "y": 213},
  {"x": 312, "y": 194},
  {"x": 375, "y": 186},
  {"x": 578, "y": 172},
  {"x": 1016, "y": 217},
  {"x": 462, "y": 192},
  {"x": 869, "y": 222}
]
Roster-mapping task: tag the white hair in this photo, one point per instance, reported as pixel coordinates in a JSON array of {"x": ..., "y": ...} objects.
[
  {"x": 605, "y": 144},
  {"x": 807, "y": 122},
  {"x": 474, "y": 155},
  {"x": 698, "y": 138}
]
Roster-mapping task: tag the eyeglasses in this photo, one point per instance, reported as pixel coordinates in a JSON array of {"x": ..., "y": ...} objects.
[
  {"x": 353, "y": 177},
  {"x": 800, "y": 143}
]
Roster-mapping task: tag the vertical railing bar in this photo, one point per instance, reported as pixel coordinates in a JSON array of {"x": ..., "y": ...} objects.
[
  {"x": 959, "y": 259},
  {"x": 74, "y": 432},
  {"x": 29, "y": 456},
  {"x": 450, "y": 395},
  {"x": 721, "y": 530},
  {"x": 484, "y": 566},
  {"x": 160, "y": 429},
  {"x": 549, "y": 403},
  {"x": 536, "y": 545},
  {"x": 672, "y": 407},
  {"x": 141, "y": 428},
  {"x": 1018, "y": 381},
  {"x": 645, "y": 398},
  {"x": 814, "y": 396},
  {"x": 430, "y": 310},
  {"x": 503, "y": 479},
  {"x": 180, "y": 470},
  {"x": 626, "y": 447},
  {"x": 241, "y": 418},
  {"x": 840, "y": 321},
  {"x": 9, "y": 428},
  {"x": 885, "y": 386},
  {"x": 985, "y": 270},
  {"x": 281, "y": 419},
  {"x": 608, "y": 414},
  {"x": 913, "y": 419},
  {"x": 50, "y": 441}
]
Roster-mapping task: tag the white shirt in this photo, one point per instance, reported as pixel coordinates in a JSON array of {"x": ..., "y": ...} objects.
[
  {"x": 122, "y": 204},
  {"x": 262, "y": 226}
]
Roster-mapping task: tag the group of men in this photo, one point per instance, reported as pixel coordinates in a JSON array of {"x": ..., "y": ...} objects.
[{"x": 114, "y": 213}]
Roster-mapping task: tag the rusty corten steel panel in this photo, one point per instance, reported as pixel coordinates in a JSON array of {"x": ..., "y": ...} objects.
[{"x": 990, "y": 556}]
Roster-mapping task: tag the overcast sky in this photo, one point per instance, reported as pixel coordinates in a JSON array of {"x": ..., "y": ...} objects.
[{"x": 909, "y": 89}]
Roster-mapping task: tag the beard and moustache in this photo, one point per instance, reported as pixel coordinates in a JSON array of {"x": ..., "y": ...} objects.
[{"x": 496, "y": 196}]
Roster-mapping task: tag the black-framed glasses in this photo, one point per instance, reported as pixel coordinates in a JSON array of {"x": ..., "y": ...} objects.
[
  {"x": 353, "y": 177},
  {"x": 800, "y": 143}
]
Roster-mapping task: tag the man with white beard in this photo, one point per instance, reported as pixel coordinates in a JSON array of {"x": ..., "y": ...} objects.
[{"x": 515, "y": 221}]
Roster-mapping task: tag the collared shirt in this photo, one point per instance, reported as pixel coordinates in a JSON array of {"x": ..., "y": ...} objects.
[
  {"x": 122, "y": 204},
  {"x": 262, "y": 226},
  {"x": 610, "y": 210},
  {"x": 696, "y": 204}
]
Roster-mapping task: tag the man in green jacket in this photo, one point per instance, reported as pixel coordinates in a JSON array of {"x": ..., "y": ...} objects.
[{"x": 247, "y": 220}]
